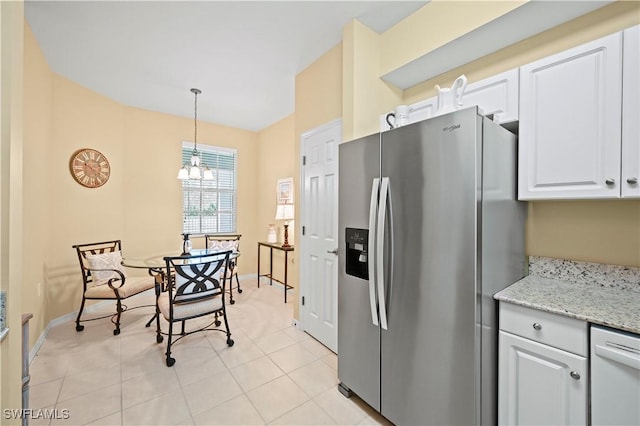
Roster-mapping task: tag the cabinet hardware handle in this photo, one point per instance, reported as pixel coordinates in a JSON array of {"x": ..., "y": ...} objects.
[
  {"x": 537, "y": 326},
  {"x": 632, "y": 180},
  {"x": 610, "y": 181},
  {"x": 335, "y": 251},
  {"x": 575, "y": 375}
]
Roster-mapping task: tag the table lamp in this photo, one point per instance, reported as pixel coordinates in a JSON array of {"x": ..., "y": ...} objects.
[{"x": 285, "y": 212}]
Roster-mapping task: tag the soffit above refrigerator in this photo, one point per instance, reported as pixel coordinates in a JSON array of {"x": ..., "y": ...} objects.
[{"x": 526, "y": 21}]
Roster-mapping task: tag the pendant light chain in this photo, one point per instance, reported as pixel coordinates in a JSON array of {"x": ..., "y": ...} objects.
[{"x": 196, "y": 92}]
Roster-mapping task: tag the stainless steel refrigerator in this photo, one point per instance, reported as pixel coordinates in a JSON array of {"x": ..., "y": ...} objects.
[{"x": 429, "y": 230}]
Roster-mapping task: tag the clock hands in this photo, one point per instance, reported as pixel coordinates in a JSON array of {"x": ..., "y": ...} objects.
[{"x": 93, "y": 168}]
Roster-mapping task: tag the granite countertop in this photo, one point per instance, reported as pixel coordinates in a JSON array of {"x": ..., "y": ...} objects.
[
  {"x": 599, "y": 305},
  {"x": 611, "y": 305}
]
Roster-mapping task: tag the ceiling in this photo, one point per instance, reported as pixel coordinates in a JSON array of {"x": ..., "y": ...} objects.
[{"x": 243, "y": 55}]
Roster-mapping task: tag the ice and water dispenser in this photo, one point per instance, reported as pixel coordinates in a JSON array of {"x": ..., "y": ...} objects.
[{"x": 357, "y": 263}]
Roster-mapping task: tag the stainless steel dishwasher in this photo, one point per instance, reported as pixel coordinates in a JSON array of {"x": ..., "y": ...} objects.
[{"x": 615, "y": 377}]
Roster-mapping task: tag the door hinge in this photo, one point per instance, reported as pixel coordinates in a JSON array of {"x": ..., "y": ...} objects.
[
  {"x": 302, "y": 300},
  {"x": 304, "y": 160},
  {"x": 303, "y": 230}
]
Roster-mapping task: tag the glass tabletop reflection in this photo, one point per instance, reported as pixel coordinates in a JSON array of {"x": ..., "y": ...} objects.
[{"x": 157, "y": 262}]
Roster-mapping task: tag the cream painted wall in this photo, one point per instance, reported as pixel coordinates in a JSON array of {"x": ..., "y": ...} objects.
[
  {"x": 363, "y": 91},
  {"x": 318, "y": 101},
  {"x": 81, "y": 118},
  {"x": 38, "y": 91},
  {"x": 276, "y": 153},
  {"x": 152, "y": 194},
  {"x": 11, "y": 199},
  {"x": 141, "y": 202},
  {"x": 591, "y": 231}
]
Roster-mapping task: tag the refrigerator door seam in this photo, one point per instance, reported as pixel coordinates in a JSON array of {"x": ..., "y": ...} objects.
[{"x": 372, "y": 239}]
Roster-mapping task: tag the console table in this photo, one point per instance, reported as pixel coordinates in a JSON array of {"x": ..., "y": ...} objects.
[{"x": 271, "y": 247}]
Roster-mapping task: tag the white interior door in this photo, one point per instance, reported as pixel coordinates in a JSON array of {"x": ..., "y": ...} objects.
[{"x": 319, "y": 245}]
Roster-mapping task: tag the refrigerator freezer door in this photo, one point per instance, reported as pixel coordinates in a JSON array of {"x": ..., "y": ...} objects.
[
  {"x": 430, "y": 349},
  {"x": 358, "y": 337}
]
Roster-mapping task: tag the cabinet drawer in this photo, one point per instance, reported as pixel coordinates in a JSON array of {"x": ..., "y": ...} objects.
[{"x": 555, "y": 330}]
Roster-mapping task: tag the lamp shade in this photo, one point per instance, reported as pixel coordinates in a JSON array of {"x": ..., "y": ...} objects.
[{"x": 285, "y": 212}]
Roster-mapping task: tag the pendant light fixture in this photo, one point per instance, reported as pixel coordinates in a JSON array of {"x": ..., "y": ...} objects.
[{"x": 195, "y": 169}]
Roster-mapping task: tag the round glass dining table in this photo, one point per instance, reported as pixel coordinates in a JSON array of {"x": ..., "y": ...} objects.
[{"x": 157, "y": 265}]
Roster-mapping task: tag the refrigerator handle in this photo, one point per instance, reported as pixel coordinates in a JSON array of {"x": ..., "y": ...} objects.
[
  {"x": 382, "y": 209},
  {"x": 373, "y": 207}
]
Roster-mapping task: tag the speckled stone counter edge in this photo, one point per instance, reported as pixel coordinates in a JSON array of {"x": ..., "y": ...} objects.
[
  {"x": 622, "y": 277},
  {"x": 614, "y": 301}
]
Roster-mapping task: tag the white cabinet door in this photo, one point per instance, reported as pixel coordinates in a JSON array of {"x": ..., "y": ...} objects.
[
  {"x": 539, "y": 384},
  {"x": 631, "y": 114},
  {"x": 496, "y": 95},
  {"x": 570, "y": 114}
]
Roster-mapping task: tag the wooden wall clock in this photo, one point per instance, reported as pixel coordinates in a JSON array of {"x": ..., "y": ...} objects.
[{"x": 90, "y": 168}]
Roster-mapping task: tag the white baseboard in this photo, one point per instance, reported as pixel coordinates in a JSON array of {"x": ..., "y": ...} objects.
[{"x": 61, "y": 320}]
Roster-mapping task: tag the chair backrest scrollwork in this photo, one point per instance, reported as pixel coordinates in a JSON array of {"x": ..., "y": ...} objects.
[{"x": 197, "y": 277}]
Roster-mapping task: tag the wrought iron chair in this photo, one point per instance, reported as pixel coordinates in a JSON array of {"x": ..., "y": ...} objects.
[
  {"x": 195, "y": 288},
  {"x": 104, "y": 278},
  {"x": 227, "y": 242}
]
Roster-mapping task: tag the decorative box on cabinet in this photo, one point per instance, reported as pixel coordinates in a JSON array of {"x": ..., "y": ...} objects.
[
  {"x": 570, "y": 115},
  {"x": 496, "y": 95},
  {"x": 543, "y": 368},
  {"x": 630, "y": 113}
]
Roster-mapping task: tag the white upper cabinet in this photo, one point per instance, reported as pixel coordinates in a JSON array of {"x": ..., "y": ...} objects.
[
  {"x": 496, "y": 95},
  {"x": 570, "y": 131},
  {"x": 631, "y": 113}
]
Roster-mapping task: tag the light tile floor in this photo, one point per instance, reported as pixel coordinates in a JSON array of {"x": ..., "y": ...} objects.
[{"x": 274, "y": 374}]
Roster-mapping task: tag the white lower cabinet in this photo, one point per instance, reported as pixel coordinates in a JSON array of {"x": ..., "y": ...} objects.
[{"x": 540, "y": 381}]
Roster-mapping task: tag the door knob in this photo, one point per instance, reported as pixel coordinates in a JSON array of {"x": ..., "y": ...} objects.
[
  {"x": 335, "y": 251},
  {"x": 537, "y": 326},
  {"x": 575, "y": 375},
  {"x": 610, "y": 181},
  {"x": 632, "y": 180}
]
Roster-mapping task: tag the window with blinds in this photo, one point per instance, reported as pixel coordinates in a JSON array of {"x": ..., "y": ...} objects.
[{"x": 209, "y": 206}]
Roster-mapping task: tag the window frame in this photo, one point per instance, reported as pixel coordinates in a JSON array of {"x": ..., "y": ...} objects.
[{"x": 202, "y": 149}]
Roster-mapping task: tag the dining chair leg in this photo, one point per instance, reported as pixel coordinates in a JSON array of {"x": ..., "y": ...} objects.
[
  {"x": 238, "y": 282},
  {"x": 183, "y": 322},
  {"x": 230, "y": 341},
  {"x": 231, "y": 301},
  {"x": 78, "y": 326},
  {"x": 170, "y": 361},
  {"x": 159, "y": 337},
  {"x": 119, "y": 313}
]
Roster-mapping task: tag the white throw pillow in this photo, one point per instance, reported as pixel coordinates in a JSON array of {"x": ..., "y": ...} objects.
[{"x": 111, "y": 260}]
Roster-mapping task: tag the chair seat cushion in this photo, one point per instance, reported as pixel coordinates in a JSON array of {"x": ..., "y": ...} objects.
[
  {"x": 132, "y": 285},
  {"x": 189, "y": 309}
]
